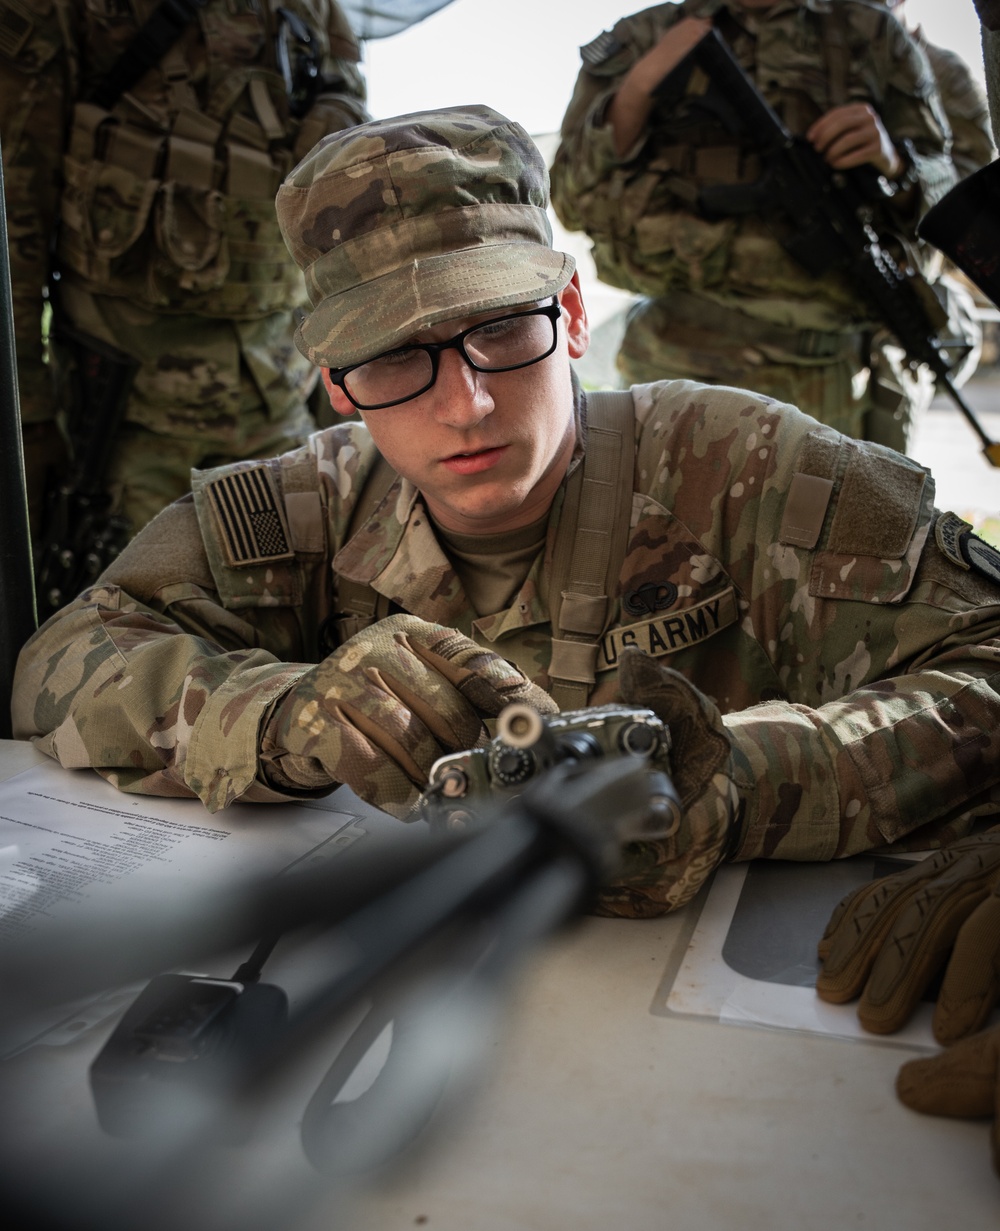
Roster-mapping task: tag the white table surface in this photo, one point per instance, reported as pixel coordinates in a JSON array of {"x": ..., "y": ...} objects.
[{"x": 602, "y": 1115}]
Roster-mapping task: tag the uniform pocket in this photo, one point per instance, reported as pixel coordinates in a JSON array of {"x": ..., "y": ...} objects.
[
  {"x": 189, "y": 224},
  {"x": 105, "y": 211}
]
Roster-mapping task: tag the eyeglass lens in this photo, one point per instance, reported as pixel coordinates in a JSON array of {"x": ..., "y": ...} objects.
[{"x": 495, "y": 346}]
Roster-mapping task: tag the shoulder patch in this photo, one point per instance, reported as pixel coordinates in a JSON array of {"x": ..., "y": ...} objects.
[
  {"x": 600, "y": 49},
  {"x": 948, "y": 533},
  {"x": 251, "y": 517},
  {"x": 982, "y": 557}
]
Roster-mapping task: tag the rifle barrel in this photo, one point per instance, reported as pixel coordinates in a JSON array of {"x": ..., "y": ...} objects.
[{"x": 991, "y": 449}]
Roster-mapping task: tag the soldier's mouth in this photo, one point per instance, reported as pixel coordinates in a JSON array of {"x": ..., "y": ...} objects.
[{"x": 476, "y": 462}]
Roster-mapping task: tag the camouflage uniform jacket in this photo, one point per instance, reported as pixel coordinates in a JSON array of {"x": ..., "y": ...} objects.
[
  {"x": 649, "y": 238},
  {"x": 965, "y": 105},
  {"x": 802, "y": 579},
  {"x": 164, "y": 205}
]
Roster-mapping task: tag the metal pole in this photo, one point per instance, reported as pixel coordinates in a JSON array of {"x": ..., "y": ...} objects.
[{"x": 17, "y": 586}]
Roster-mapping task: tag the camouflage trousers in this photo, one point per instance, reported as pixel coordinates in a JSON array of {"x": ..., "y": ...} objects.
[{"x": 204, "y": 392}]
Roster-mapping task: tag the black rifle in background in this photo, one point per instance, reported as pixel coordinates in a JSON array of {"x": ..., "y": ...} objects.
[
  {"x": 827, "y": 213},
  {"x": 81, "y": 535},
  {"x": 17, "y": 613}
]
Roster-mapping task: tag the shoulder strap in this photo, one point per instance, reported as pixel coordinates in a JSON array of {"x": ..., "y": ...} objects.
[
  {"x": 837, "y": 54},
  {"x": 151, "y": 42},
  {"x": 590, "y": 546}
]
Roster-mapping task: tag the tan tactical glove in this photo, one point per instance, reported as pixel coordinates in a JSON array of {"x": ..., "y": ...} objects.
[
  {"x": 379, "y": 711},
  {"x": 889, "y": 940},
  {"x": 665, "y": 874},
  {"x": 963, "y": 1080}
]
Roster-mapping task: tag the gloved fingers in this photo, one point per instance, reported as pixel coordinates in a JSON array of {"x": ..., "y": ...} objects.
[
  {"x": 963, "y": 1080},
  {"x": 487, "y": 681},
  {"x": 450, "y": 720},
  {"x": 365, "y": 738},
  {"x": 862, "y": 923},
  {"x": 664, "y": 875},
  {"x": 856, "y": 931},
  {"x": 971, "y": 985},
  {"x": 350, "y": 748},
  {"x": 916, "y": 949},
  {"x": 699, "y": 742}
]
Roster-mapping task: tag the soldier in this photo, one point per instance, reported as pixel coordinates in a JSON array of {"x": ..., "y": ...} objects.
[
  {"x": 724, "y": 302},
  {"x": 140, "y": 177},
  {"x": 963, "y": 100},
  {"x": 822, "y": 643}
]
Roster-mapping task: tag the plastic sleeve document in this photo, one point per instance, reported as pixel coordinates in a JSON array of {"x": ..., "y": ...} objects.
[
  {"x": 73, "y": 849},
  {"x": 69, "y": 840}
]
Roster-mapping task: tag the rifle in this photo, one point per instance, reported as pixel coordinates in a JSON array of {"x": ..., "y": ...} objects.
[
  {"x": 81, "y": 535},
  {"x": 829, "y": 214},
  {"x": 465, "y": 786},
  {"x": 17, "y": 615}
]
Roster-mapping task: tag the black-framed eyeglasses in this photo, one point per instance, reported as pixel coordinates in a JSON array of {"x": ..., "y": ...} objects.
[{"x": 498, "y": 345}]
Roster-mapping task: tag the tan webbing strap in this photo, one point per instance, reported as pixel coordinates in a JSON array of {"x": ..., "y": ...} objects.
[
  {"x": 303, "y": 506},
  {"x": 837, "y": 55},
  {"x": 590, "y": 546},
  {"x": 358, "y": 605}
]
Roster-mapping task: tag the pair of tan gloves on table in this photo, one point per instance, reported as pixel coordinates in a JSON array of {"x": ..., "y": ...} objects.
[
  {"x": 890, "y": 940},
  {"x": 379, "y": 711}
]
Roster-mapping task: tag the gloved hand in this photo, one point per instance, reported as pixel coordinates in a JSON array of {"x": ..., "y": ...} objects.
[
  {"x": 888, "y": 940},
  {"x": 963, "y": 1080},
  {"x": 665, "y": 874},
  {"x": 382, "y": 708}
]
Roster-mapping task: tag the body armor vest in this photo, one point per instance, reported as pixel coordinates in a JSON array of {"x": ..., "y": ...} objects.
[{"x": 169, "y": 195}]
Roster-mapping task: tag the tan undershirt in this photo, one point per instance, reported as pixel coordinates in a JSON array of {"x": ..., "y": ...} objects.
[{"x": 493, "y": 567}]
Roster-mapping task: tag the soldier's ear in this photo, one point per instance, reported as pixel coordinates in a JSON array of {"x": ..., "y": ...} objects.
[
  {"x": 575, "y": 318},
  {"x": 339, "y": 400}
]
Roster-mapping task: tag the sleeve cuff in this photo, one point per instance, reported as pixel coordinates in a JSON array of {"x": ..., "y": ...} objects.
[{"x": 223, "y": 755}]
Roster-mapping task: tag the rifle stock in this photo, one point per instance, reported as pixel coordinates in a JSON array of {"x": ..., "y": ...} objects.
[{"x": 827, "y": 215}]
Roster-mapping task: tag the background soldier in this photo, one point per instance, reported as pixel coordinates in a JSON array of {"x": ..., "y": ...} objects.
[
  {"x": 725, "y": 302},
  {"x": 140, "y": 180},
  {"x": 963, "y": 99}
]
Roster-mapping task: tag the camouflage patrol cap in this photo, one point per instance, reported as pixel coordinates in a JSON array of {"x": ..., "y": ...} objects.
[{"x": 401, "y": 223}]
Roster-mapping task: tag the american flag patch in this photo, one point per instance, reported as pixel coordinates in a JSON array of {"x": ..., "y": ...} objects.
[{"x": 251, "y": 517}]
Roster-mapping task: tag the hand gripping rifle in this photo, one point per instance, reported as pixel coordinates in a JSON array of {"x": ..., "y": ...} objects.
[{"x": 828, "y": 213}]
